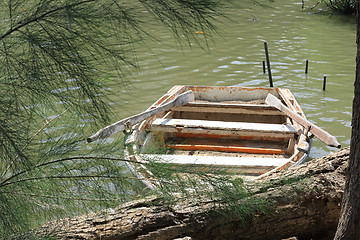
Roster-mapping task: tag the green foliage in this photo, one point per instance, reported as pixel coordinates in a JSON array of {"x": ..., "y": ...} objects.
[
  {"x": 341, "y": 6},
  {"x": 57, "y": 60},
  {"x": 31, "y": 236}
]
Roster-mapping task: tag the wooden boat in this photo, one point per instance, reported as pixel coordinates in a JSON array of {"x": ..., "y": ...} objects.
[{"x": 231, "y": 128}]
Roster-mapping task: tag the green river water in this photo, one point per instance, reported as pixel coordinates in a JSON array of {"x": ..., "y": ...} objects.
[{"x": 235, "y": 58}]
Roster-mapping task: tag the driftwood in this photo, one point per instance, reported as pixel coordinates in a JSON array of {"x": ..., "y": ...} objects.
[{"x": 306, "y": 204}]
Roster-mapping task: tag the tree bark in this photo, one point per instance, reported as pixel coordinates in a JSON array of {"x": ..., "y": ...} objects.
[
  {"x": 306, "y": 202},
  {"x": 349, "y": 223}
]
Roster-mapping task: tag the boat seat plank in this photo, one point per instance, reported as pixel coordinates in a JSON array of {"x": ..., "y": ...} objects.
[
  {"x": 214, "y": 107},
  {"x": 240, "y": 164},
  {"x": 179, "y": 125}
]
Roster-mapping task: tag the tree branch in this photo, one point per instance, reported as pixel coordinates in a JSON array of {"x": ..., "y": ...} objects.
[
  {"x": 72, "y": 177},
  {"x": 4, "y": 182},
  {"x": 25, "y": 23},
  {"x": 62, "y": 197},
  {"x": 32, "y": 138}
]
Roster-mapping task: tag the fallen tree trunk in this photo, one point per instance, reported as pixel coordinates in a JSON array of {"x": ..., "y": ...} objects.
[{"x": 306, "y": 203}]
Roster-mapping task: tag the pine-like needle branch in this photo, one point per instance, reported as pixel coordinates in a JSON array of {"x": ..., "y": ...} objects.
[{"x": 56, "y": 60}]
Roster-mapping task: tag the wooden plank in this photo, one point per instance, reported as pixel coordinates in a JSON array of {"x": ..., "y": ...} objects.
[
  {"x": 219, "y": 148},
  {"x": 318, "y": 132},
  {"x": 216, "y": 160},
  {"x": 291, "y": 103},
  {"x": 215, "y": 107},
  {"x": 291, "y": 145},
  {"x": 225, "y": 133},
  {"x": 230, "y": 117},
  {"x": 121, "y": 125},
  {"x": 159, "y": 124},
  {"x": 252, "y": 137}
]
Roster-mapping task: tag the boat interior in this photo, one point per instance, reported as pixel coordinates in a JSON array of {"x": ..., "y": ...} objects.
[
  {"x": 249, "y": 135},
  {"x": 225, "y": 128}
]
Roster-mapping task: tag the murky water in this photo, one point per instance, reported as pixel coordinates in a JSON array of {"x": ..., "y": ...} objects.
[{"x": 235, "y": 58}]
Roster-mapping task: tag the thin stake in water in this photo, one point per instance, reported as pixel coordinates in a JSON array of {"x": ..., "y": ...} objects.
[
  {"x": 268, "y": 64},
  {"x": 264, "y": 70}
]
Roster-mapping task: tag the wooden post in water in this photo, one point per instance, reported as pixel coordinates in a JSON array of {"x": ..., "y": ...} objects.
[
  {"x": 306, "y": 66},
  {"x": 268, "y": 64},
  {"x": 324, "y": 83},
  {"x": 264, "y": 70}
]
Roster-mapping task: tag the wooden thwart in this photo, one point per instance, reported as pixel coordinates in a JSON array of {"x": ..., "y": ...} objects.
[
  {"x": 227, "y": 108},
  {"x": 221, "y": 128},
  {"x": 241, "y": 164}
]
